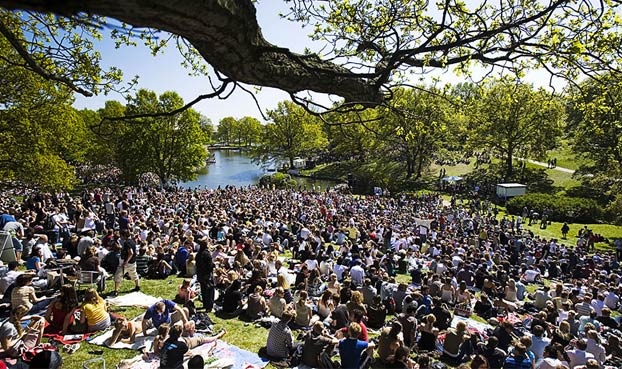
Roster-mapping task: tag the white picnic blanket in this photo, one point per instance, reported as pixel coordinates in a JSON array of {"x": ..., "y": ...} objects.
[
  {"x": 138, "y": 299},
  {"x": 140, "y": 342},
  {"x": 471, "y": 323}
]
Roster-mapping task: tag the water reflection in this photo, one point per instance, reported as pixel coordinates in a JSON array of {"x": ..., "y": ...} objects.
[{"x": 236, "y": 168}]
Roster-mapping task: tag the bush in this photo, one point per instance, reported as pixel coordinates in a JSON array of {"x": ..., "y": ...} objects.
[
  {"x": 561, "y": 208},
  {"x": 278, "y": 180}
]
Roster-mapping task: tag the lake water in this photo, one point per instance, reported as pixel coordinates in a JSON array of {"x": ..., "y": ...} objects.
[{"x": 236, "y": 168}]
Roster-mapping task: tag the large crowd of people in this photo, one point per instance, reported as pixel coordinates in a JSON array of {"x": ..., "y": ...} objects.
[{"x": 365, "y": 280}]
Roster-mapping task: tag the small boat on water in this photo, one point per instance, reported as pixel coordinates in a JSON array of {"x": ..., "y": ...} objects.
[
  {"x": 271, "y": 169},
  {"x": 211, "y": 159}
]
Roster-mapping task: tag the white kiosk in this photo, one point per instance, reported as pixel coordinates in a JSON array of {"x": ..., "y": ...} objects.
[{"x": 509, "y": 190}]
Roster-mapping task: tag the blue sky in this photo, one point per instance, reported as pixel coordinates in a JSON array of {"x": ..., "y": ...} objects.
[{"x": 165, "y": 73}]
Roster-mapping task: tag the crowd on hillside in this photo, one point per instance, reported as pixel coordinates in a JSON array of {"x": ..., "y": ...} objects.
[{"x": 337, "y": 268}]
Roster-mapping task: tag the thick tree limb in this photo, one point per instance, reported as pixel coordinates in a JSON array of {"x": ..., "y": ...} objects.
[{"x": 227, "y": 36}]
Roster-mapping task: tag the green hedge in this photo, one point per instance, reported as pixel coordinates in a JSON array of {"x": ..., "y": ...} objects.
[
  {"x": 278, "y": 180},
  {"x": 562, "y": 208}
]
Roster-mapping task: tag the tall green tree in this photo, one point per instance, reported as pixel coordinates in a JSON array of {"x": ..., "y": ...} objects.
[
  {"x": 248, "y": 130},
  {"x": 596, "y": 115},
  {"x": 414, "y": 128},
  {"x": 172, "y": 147},
  {"x": 39, "y": 130},
  {"x": 351, "y": 135},
  {"x": 207, "y": 127},
  {"x": 514, "y": 119},
  {"x": 225, "y": 130},
  {"x": 291, "y": 133}
]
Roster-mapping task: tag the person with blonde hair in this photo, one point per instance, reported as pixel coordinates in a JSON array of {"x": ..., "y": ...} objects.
[
  {"x": 456, "y": 342},
  {"x": 94, "y": 312},
  {"x": 333, "y": 285},
  {"x": 125, "y": 331},
  {"x": 356, "y": 302},
  {"x": 14, "y": 338},
  {"x": 351, "y": 348},
  {"x": 281, "y": 281},
  {"x": 429, "y": 334},
  {"x": 277, "y": 302}
]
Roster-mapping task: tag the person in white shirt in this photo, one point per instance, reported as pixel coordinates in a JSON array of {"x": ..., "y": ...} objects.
[
  {"x": 538, "y": 342},
  {"x": 85, "y": 243},
  {"x": 10, "y": 277},
  {"x": 578, "y": 355},
  {"x": 612, "y": 299},
  {"x": 531, "y": 275},
  {"x": 42, "y": 243},
  {"x": 595, "y": 348},
  {"x": 598, "y": 304},
  {"x": 357, "y": 274}
]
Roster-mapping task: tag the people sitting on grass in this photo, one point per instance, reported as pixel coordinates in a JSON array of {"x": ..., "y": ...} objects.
[
  {"x": 60, "y": 312},
  {"x": 280, "y": 344},
  {"x": 351, "y": 348},
  {"x": 94, "y": 312},
  {"x": 467, "y": 256},
  {"x": 15, "y": 338}
]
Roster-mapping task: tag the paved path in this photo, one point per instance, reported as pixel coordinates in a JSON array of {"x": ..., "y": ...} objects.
[{"x": 565, "y": 170}]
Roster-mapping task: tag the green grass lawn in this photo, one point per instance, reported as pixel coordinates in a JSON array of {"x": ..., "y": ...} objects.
[
  {"x": 609, "y": 231},
  {"x": 454, "y": 170},
  {"x": 565, "y": 156}
]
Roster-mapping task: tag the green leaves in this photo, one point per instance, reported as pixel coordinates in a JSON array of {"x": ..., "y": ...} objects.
[
  {"x": 170, "y": 146},
  {"x": 291, "y": 133},
  {"x": 512, "y": 119}
]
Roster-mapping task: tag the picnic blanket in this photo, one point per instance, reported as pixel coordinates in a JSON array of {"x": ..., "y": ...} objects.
[
  {"x": 472, "y": 324},
  {"x": 138, "y": 299},
  {"x": 140, "y": 342},
  {"x": 227, "y": 356}
]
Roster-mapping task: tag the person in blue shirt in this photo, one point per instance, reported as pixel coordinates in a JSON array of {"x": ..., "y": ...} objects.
[
  {"x": 351, "y": 348},
  {"x": 165, "y": 311},
  {"x": 519, "y": 359}
]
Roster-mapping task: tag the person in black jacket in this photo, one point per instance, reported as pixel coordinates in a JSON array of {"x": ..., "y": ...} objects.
[{"x": 205, "y": 268}]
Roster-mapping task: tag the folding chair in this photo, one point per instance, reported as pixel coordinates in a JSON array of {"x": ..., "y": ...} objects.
[{"x": 87, "y": 278}]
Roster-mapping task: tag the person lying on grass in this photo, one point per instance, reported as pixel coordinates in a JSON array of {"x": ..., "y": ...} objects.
[{"x": 125, "y": 331}]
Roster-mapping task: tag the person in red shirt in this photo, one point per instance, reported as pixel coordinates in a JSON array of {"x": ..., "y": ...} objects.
[{"x": 355, "y": 316}]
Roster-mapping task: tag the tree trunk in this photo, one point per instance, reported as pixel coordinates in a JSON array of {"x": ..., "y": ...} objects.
[
  {"x": 291, "y": 162},
  {"x": 509, "y": 170},
  {"x": 410, "y": 168}
]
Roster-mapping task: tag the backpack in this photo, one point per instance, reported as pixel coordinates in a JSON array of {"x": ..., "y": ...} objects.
[{"x": 49, "y": 222}]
